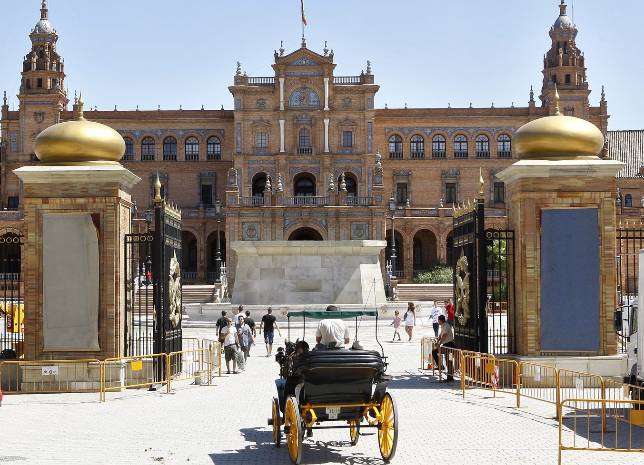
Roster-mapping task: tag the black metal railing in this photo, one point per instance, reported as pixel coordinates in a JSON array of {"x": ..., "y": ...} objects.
[
  {"x": 505, "y": 154},
  {"x": 438, "y": 154},
  {"x": 305, "y": 150},
  {"x": 417, "y": 155},
  {"x": 482, "y": 154},
  {"x": 460, "y": 154},
  {"x": 396, "y": 155}
]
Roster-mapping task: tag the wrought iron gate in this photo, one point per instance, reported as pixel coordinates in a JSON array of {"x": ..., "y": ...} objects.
[
  {"x": 483, "y": 283},
  {"x": 630, "y": 240},
  {"x": 12, "y": 311},
  {"x": 470, "y": 329},
  {"x": 153, "y": 285}
]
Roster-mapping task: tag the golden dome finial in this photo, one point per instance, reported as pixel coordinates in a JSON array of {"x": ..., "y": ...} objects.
[
  {"x": 481, "y": 184},
  {"x": 157, "y": 189},
  {"x": 557, "y": 113},
  {"x": 81, "y": 105}
]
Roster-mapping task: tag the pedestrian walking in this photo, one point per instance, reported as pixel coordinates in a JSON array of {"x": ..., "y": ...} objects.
[
  {"x": 245, "y": 338},
  {"x": 269, "y": 325},
  {"x": 410, "y": 319},
  {"x": 436, "y": 312},
  {"x": 450, "y": 312},
  {"x": 396, "y": 324},
  {"x": 231, "y": 345},
  {"x": 221, "y": 323},
  {"x": 251, "y": 323},
  {"x": 446, "y": 339},
  {"x": 238, "y": 315}
]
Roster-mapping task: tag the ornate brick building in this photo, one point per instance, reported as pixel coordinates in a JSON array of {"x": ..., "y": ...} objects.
[{"x": 305, "y": 154}]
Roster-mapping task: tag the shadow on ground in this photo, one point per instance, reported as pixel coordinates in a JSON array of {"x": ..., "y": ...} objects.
[{"x": 261, "y": 449}]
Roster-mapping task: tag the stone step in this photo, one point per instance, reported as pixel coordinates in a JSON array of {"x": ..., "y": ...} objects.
[{"x": 424, "y": 292}]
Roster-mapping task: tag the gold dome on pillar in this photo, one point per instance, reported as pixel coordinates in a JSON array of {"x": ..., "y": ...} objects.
[
  {"x": 558, "y": 137},
  {"x": 79, "y": 141}
]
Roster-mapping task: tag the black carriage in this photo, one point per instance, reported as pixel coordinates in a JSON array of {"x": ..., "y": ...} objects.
[{"x": 345, "y": 386}]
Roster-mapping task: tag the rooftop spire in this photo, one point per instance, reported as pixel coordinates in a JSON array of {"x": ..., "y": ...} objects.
[
  {"x": 562, "y": 8},
  {"x": 557, "y": 113},
  {"x": 81, "y": 104},
  {"x": 44, "y": 12}
]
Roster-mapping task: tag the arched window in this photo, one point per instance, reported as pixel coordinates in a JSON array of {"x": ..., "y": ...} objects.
[
  {"x": 460, "y": 146},
  {"x": 129, "y": 149},
  {"x": 504, "y": 146},
  {"x": 304, "y": 185},
  {"x": 304, "y": 141},
  {"x": 169, "y": 148},
  {"x": 438, "y": 146},
  {"x": 192, "y": 149},
  {"x": 482, "y": 146},
  {"x": 261, "y": 140},
  {"x": 147, "y": 149},
  {"x": 351, "y": 184},
  {"x": 628, "y": 200},
  {"x": 395, "y": 146},
  {"x": 304, "y": 97},
  {"x": 213, "y": 148},
  {"x": 417, "y": 146},
  {"x": 259, "y": 184}
]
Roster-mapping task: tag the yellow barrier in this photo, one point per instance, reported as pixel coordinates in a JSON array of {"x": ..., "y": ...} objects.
[
  {"x": 478, "y": 371},
  {"x": 190, "y": 343},
  {"x": 426, "y": 347},
  {"x": 189, "y": 364},
  {"x": 121, "y": 373},
  {"x": 506, "y": 377},
  {"x": 450, "y": 359},
  {"x": 50, "y": 376},
  {"x": 610, "y": 428},
  {"x": 538, "y": 382},
  {"x": 579, "y": 385},
  {"x": 215, "y": 353}
]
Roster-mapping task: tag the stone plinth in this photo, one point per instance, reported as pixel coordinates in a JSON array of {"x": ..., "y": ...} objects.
[
  {"x": 547, "y": 191},
  {"x": 76, "y": 217},
  {"x": 308, "y": 272}
]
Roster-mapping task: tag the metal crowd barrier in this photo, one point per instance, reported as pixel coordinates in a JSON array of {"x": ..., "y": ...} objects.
[
  {"x": 49, "y": 376},
  {"x": 600, "y": 425},
  {"x": 189, "y": 364},
  {"x": 216, "y": 350},
  {"x": 121, "y": 373},
  {"x": 426, "y": 347}
]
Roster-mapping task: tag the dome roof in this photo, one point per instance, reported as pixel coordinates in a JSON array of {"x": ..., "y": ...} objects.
[
  {"x": 558, "y": 137},
  {"x": 44, "y": 27},
  {"x": 563, "y": 22},
  {"x": 79, "y": 141}
]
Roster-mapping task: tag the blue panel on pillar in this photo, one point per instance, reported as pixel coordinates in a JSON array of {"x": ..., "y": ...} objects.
[{"x": 570, "y": 280}]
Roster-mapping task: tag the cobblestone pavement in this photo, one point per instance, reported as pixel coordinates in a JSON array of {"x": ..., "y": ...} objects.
[{"x": 225, "y": 424}]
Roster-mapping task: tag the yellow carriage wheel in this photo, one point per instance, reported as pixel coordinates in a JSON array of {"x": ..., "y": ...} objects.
[
  {"x": 293, "y": 429},
  {"x": 388, "y": 428},
  {"x": 354, "y": 431},
  {"x": 277, "y": 422}
]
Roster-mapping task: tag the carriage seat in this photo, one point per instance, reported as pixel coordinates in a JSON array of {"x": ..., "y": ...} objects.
[{"x": 339, "y": 366}]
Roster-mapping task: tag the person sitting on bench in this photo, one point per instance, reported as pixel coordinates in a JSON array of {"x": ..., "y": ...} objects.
[{"x": 331, "y": 333}]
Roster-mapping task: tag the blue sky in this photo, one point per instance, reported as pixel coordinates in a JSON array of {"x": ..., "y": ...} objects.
[{"x": 426, "y": 53}]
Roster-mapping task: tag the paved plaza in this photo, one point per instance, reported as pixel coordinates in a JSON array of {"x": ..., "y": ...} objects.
[{"x": 225, "y": 424}]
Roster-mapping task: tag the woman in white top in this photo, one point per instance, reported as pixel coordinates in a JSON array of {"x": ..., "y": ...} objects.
[{"x": 410, "y": 319}]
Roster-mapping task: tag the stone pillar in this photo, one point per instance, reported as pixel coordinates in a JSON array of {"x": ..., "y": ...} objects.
[
  {"x": 326, "y": 135},
  {"x": 75, "y": 220},
  {"x": 281, "y": 94},
  {"x": 282, "y": 135},
  {"x": 326, "y": 93}
]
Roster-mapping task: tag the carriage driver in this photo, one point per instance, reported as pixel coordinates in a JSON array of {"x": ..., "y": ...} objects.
[{"x": 331, "y": 333}]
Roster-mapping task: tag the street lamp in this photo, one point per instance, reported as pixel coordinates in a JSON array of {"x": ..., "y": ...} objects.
[
  {"x": 218, "y": 251},
  {"x": 392, "y": 209}
]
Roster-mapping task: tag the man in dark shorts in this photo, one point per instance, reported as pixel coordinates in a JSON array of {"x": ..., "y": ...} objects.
[
  {"x": 251, "y": 323},
  {"x": 221, "y": 323},
  {"x": 269, "y": 325}
]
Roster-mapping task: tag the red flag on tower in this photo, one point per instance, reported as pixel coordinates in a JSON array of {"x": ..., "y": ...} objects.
[{"x": 303, "y": 15}]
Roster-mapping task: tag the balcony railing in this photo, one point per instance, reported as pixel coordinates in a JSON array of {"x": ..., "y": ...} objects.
[
  {"x": 189, "y": 275},
  {"x": 261, "y": 81},
  {"x": 438, "y": 154},
  {"x": 305, "y": 150},
  {"x": 399, "y": 273},
  {"x": 417, "y": 155},
  {"x": 360, "y": 201},
  {"x": 505, "y": 154},
  {"x": 483, "y": 154},
  {"x": 346, "y": 80},
  {"x": 460, "y": 154},
  {"x": 251, "y": 201},
  {"x": 396, "y": 155},
  {"x": 307, "y": 200}
]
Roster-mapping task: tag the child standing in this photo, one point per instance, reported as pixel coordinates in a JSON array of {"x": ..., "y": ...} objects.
[{"x": 396, "y": 324}]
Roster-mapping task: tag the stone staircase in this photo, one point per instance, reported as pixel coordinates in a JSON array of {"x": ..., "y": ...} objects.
[
  {"x": 198, "y": 293},
  {"x": 424, "y": 292}
]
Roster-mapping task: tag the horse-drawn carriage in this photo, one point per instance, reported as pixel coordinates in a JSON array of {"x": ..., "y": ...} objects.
[{"x": 346, "y": 386}]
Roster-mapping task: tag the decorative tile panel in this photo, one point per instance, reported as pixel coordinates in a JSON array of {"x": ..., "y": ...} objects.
[{"x": 251, "y": 231}]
